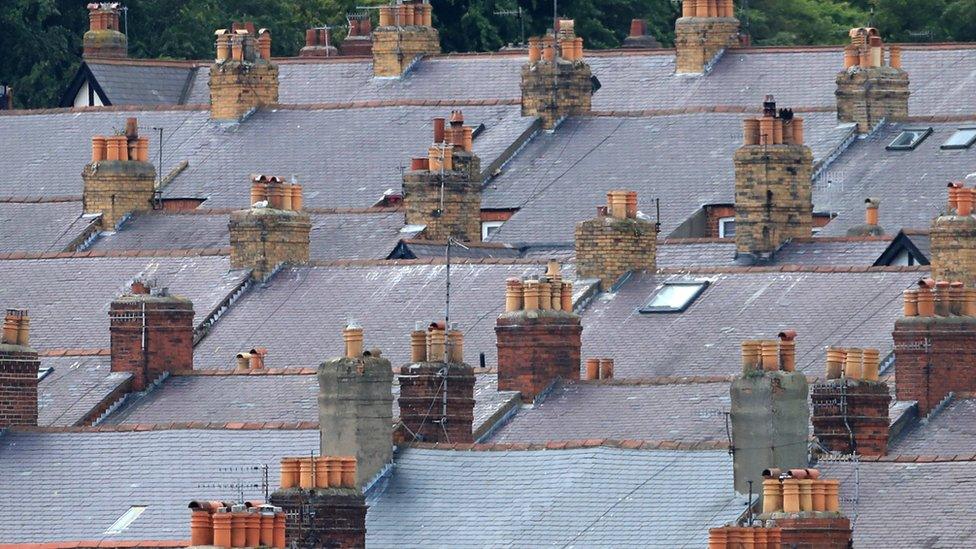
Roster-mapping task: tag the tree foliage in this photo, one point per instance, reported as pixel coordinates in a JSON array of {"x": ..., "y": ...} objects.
[{"x": 41, "y": 41}]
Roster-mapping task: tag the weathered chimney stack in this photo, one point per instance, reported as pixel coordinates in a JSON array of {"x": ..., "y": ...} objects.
[
  {"x": 639, "y": 38},
  {"x": 405, "y": 34},
  {"x": 773, "y": 189},
  {"x": 318, "y": 43},
  {"x": 953, "y": 238},
  {"x": 151, "y": 334},
  {"x": 273, "y": 231},
  {"x": 704, "y": 31},
  {"x": 18, "y": 372},
  {"x": 437, "y": 388},
  {"x": 359, "y": 39},
  {"x": 442, "y": 191},
  {"x": 556, "y": 81},
  {"x": 538, "y": 335},
  {"x": 615, "y": 242},
  {"x": 119, "y": 180},
  {"x": 243, "y": 77},
  {"x": 104, "y": 39},
  {"x": 868, "y": 91},
  {"x": 769, "y": 415}
]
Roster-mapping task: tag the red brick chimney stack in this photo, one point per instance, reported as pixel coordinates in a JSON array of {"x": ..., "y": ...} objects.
[
  {"x": 318, "y": 43},
  {"x": 104, "y": 39},
  {"x": 18, "y": 372},
  {"x": 359, "y": 40},
  {"x": 151, "y": 333},
  {"x": 639, "y": 38}
]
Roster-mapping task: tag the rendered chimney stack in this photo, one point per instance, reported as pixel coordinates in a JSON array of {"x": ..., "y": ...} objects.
[
  {"x": 537, "y": 342},
  {"x": 436, "y": 395},
  {"x": 556, "y": 63},
  {"x": 704, "y": 31},
  {"x": 273, "y": 231},
  {"x": 359, "y": 39},
  {"x": 769, "y": 411},
  {"x": 935, "y": 343},
  {"x": 773, "y": 189},
  {"x": 404, "y": 35},
  {"x": 868, "y": 91},
  {"x": 104, "y": 39},
  {"x": 617, "y": 242},
  {"x": 953, "y": 238},
  {"x": 318, "y": 43},
  {"x": 224, "y": 524},
  {"x": 18, "y": 372},
  {"x": 119, "y": 180},
  {"x": 442, "y": 191},
  {"x": 242, "y": 78}
]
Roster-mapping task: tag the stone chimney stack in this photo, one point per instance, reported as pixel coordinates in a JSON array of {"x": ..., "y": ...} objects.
[
  {"x": 704, "y": 31},
  {"x": 151, "y": 334},
  {"x": 443, "y": 190},
  {"x": 242, "y": 78},
  {"x": 104, "y": 39},
  {"x": 405, "y": 34},
  {"x": 356, "y": 407},
  {"x": 18, "y": 372},
  {"x": 954, "y": 238},
  {"x": 770, "y": 418},
  {"x": 273, "y": 231},
  {"x": 437, "y": 367},
  {"x": 773, "y": 189},
  {"x": 868, "y": 91},
  {"x": 359, "y": 40},
  {"x": 120, "y": 179},
  {"x": 850, "y": 408},
  {"x": 935, "y": 343},
  {"x": 318, "y": 43},
  {"x": 538, "y": 335},
  {"x": 556, "y": 82},
  {"x": 871, "y": 226},
  {"x": 616, "y": 242}
]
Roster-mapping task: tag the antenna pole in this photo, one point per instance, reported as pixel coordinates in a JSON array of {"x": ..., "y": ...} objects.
[
  {"x": 447, "y": 302},
  {"x": 159, "y": 167}
]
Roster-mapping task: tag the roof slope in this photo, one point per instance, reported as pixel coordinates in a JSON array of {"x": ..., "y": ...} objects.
[
  {"x": 856, "y": 309},
  {"x": 592, "y": 497},
  {"x": 74, "y": 388},
  {"x": 74, "y": 486},
  {"x": 951, "y": 431},
  {"x": 142, "y": 84},
  {"x": 41, "y": 226},
  {"x": 814, "y": 251},
  {"x": 69, "y": 299}
]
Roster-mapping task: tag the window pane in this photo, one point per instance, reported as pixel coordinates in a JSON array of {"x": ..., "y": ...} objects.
[
  {"x": 727, "y": 229},
  {"x": 674, "y": 297},
  {"x": 962, "y": 139},
  {"x": 909, "y": 139}
]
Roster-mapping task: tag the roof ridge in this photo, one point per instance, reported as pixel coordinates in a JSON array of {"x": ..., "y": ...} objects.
[
  {"x": 426, "y": 261},
  {"x": 904, "y": 458},
  {"x": 316, "y": 211},
  {"x": 108, "y": 108},
  {"x": 657, "y": 380},
  {"x": 379, "y": 103},
  {"x": 797, "y": 269},
  {"x": 228, "y": 372},
  {"x": 630, "y": 444},
  {"x": 101, "y": 544},
  {"x": 40, "y": 199},
  {"x": 187, "y": 252},
  {"x": 733, "y": 109},
  {"x": 176, "y": 426},
  {"x": 59, "y": 352}
]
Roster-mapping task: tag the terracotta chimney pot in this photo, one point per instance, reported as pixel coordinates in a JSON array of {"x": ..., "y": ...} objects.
[
  {"x": 306, "y": 478},
  {"x": 791, "y": 495},
  {"x": 439, "y": 125},
  {"x": 911, "y": 303},
  {"x": 386, "y": 16},
  {"x": 777, "y": 131},
  {"x": 637, "y": 27},
  {"x": 348, "y": 471},
  {"x": 767, "y": 132},
  {"x": 222, "y": 529},
  {"x": 334, "y": 467},
  {"x": 531, "y": 295},
  {"x": 926, "y": 302},
  {"x": 267, "y": 528},
  {"x": 535, "y": 49},
  {"x": 864, "y": 57},
  {"x": 851, "y": 57},
  {"x": 606, "y": 369},
  {"x": 872, "y": 364},
  {"x": 418, "y": 346},
  {"x": 289, "y": 473},
  {"x": 854, "y": 365},
  {"x": 279, "y": 530},
  {"x": 320, "y": 471},
  {"x": 871, "y": 211},
  {"x": 798, "y": 137},
  {"x": 818, "y": 496},
  {"x": 201, "y": 528},
  {"x": 751, "y": 357},
  {"x": 545, "y": 294},
  {"x": 436, "y": 344},
  {"x": 832, "y": 495},
  {"x": 455, "y": 347},
  {"x": 969, "y": 307},
  {"x": 468, "y": 138},
  {"x": 702, "y": 8},
  {"x": 276, "y": 196},
  {"x": 942, "y": 298},
  {"x": 718, "y": 538},
  {"x": 964, "y": 197},
  {"x": 772, "y": 495},
  {"x": 895, "y": 57},
  {"x": 353, "y": 337},
  {"x": 513, "y": 295},
  {"x": 236, "y": 48},
  {"x": 787, "y": 355},
  {"x": 876, "y": 51},
  {"x": 98, "y": 148},
  {"x": 769, "y": 351},
  {"x": 238, "y": 529},
  {"x": 592, "y": 368},
  {"x": 11, "y": 326},
  {"x": 954, "y": 196},
  {"x": 312, "y": 37},
  {"x": 567, "y": 298},
  {"x": 257, "y": 358},
  {"x": 428, "y": 15},
  {"x": 297, "y": 200},
  {"x": 750, "y": 131},
  {"x": 689, "y": 8},
  {"x": 806, "y": 494},
  {"x": 243, "y": 361},
  {"x": 548, "y": 49},
  {"x": 957, "y": 298},
  {"x": 252, "y": 529},
  {"x": 286, "y": 194},
  {"x": 836, "y": 357},
  {"x": 631, "y": 204}
]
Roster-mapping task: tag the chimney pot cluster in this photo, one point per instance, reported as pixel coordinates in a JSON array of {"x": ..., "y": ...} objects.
[
  {"x": 16, "y": 327},
  {"x": 960, "y": 199},
  {"x": 238, "y": 44},
  {"x": 866, "y": 50},
  {"x": 308, "y": 472},
  {"x": 942, "y": 298},
  {"x": 773, "y": 128},
  {"x": 435, "y": 344},
  {"x": 548, "y": 292},
  {"x": 103, "y": 16},
  {"x": 406, "y": 15},
  {"x": 770, "y": 355},
  {"x": 799, "y": 491},
  {"x": 279, "y": 194},
  {"x": 599, "y": 369},
  {"x": 251, "y": 360},
  {"x": 318, "y": 36},
  {"x": 225, "y": 524},
  {"x": 359, "y": 24},
  {"x": 544, "y": 48},
  {"x": 707, "y": 8},
  {"x": 620, "y": 205},
  {"x": 638, "y": 27},
  {"x": 125, "y": 147},
  {"x": 852, "y": 363}
]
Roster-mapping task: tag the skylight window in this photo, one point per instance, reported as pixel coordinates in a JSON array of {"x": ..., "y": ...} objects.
[
  {"x": 674, "y": 297},
  {"x": 962, "y": 139},
  {"x": 909, "y": 138},
  {"x": 125, "y": 520},
  {"x": 43, "y": 373}
]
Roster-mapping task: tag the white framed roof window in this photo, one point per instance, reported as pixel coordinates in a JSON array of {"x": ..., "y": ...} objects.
[
  {"x": 963, "y": 138},
  {"x": 674, "y": 297},
  {"x": 125, "y": 520},
  {"x": 726, "y": 227},
  {"x": 908, "y": 139}
]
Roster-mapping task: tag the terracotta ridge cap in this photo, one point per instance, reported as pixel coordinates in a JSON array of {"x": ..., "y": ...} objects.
[
  {"x": 379, "y": 103},
  {"x": 315, "y": 211},
  {"x": 701, "y": 109},
  {"x": 935, "y": 118},
  {"x": 487, "y": 245},
  {"x": 656, "y": 381},
  {"x": 111, "y": 108},
  {"x": 630, "y": 444},
  {"x": 142, "y": 61},
  {"x": 176, "y": 426},
  {"x": 697, "y": 240},
  {"x": 796, "y": 269},
  {"x": 40, "y": 199},
  {"x": 103, "y": 544},
  {"x": 188, "y": 252},
  {"x": 424, "y": 261},
  {"x": 827, "y": 239},
  {"x": 74, "y": 352},
  {"x": 906, "y": 458},
  {"x": 227, "y": 372}
]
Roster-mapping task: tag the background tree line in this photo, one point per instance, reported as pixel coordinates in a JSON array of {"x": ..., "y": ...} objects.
[{"x": 40, "y": 47}]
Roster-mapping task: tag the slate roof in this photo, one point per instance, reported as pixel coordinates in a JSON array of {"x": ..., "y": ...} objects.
[
  {"x": 910, "y": 184},
  {"x": 386, "y": 299},
  {"x": 42, "y": 226},
  {"x": 143, "y": 83},
  {"x": 264, "y": 399},
  {"x": 589, "y": 497},
  {"x": 950, "y": 431},
  {"x": 421, "y": 249},
  {"x": 74, "y": 486},
  {"x": 74, "y": 388},
  {"x": 825, "y": 308},
  {"x": 908, "y": 505},
  {"x": 334, "y": 235},
  {"x": 69, "y": 299},
  {"x": 559, "y": 178},
  {"x": 809, "y": 252},
  {"x": 685, "y": 412}
]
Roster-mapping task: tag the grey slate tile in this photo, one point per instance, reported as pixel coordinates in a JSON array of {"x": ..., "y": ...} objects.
[
  {"x": 41, "y": 227},
  {"x": 74, "y": 388},
  {"x": 951, "y": 431}
]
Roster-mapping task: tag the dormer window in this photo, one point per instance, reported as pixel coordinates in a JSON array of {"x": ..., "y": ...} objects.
[{"x": 908, "y": 139}]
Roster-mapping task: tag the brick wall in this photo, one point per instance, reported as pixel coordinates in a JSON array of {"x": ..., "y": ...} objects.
[
  {"x": 395, "y": 49},
  {"x": 238, "y": 87},
  {"x": 608, "y": 247},
  {"x": 861, "y": 406},
  {"x": 18, "y": 386},
  {"x": 934, "y": 356},
  {"x": 699, "y": 39},
  {"x": 150, "y": 335},
  {"x": 333, "y": 518},
  {"x": 814, "y": 532},
  {"x": 954, "y": 249},
  {"x": 712, "y": 216},
  {"x": 773, "y": 196},
  {"x": 261, "y": 238},
  {"x": 572, "y": 95},
  {"x": 116, "y": 188},
  {"x": 460, "y": 213},
  {"x": 535, "y": 348},
  {"x": 868, "y": 95},
  {"x": 421, "y": 406}
]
